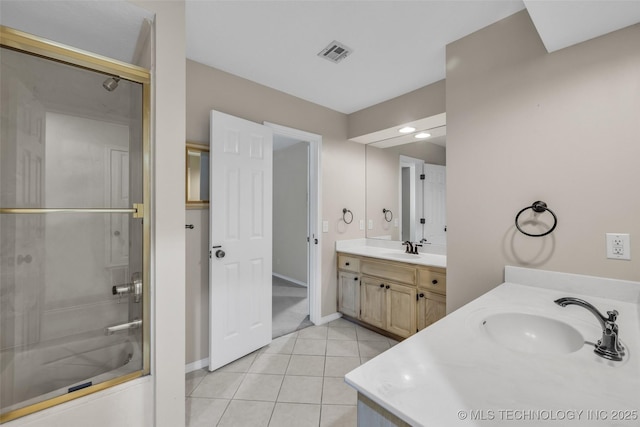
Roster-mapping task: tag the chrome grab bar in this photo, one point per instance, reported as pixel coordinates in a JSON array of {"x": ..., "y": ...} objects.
[{"x": 123, "y": 327}]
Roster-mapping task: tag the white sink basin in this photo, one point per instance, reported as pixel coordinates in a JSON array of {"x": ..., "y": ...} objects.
[
  {"x": 401, "y": 255},
  {"x": 530, "y": 333}
]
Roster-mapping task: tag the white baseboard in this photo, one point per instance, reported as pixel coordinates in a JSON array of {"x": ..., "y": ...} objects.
[
  {"x": 329, "y": 318},
  {"x": 289, "y": 279},
  {"x": 198, "y": 364}
]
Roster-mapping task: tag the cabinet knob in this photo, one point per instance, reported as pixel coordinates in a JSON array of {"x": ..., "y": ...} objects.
[
  {"x": 355, "y": 278},
  {"x": 387, "y": 287},
  {"x": 346, "y": 263},
  {"x": 434, "y": 281},
  {"x": 421, "y": 295},
  {"x": 382, "y": 285}
]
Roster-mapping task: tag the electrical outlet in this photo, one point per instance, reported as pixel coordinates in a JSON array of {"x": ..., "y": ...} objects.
[{"x": 618, "y": 246}]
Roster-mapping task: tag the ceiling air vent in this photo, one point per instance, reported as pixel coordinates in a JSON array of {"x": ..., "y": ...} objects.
[{"x": 335, "y": 52}]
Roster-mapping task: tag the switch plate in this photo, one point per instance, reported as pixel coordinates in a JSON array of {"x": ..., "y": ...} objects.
[
  {"x": 362, "y": 224},
  {"x": 370, "y": 224},
  {"x": 325, "y": 226},
  {"x": 618, "y": 246}
]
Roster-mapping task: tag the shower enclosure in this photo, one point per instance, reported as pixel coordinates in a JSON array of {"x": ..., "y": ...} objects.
[{"x": 74, "y": 223}]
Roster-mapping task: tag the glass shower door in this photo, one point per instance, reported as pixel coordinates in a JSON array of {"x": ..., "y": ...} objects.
[{"x": 74, "y": 248}]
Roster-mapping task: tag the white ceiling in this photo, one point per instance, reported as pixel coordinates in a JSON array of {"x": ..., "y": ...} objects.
[{"x": 398, "y": 46}]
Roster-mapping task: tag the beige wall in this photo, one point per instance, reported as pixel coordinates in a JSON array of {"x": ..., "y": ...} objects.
[
  {"x": 342, "y": 176},
  {"x": 418, "y": 104},
  {"x": 524, "y": 125}
]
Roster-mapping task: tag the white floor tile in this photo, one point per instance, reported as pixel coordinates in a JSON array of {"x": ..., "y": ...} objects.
[
  {"x": 201, "y": 412},
  {"x": 310, "y": 347},
  {"x": 220, "y": 385},
  {"x": 270, "y": 364},
  {"x": 300, "y": 364},
  {"x": 338, "y": 416},
  {"x": 301, "y": 389},
  {"x": 313, "y": 333},
  {"x": 259, "y": 387},
  {"x": 243, "y": 413},
  {"x": 372, "y": 348},
  {"x": 336, "y": 392},
  {"x": 193, "y": 379},
  {"x": 348, "y": 334},
  {"x": 342, "y": 348},
  {"x": 241, "y": 365},
  {"x": 281, "y": 345},
  {"x": 295, "y": 414},
  {"x": 336, "y": 366}
]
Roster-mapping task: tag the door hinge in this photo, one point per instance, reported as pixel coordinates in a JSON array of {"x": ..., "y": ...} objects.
[
  {"x": 423, "y": 221},
  {"x": 139, "y": 207},
  {"x": 423, "y": 176}
]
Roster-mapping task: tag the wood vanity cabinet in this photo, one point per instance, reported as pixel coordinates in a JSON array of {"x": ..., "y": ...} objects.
[
  {"x": 349, "y": 293},
  {"x": 432, "y": 302},
  {"x": 396, "y": 297}
]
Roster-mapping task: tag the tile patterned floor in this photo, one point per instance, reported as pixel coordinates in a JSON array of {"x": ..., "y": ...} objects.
[{"x": 297, "y": 380}]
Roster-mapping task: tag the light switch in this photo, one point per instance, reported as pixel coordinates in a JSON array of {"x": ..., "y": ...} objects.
[
  {"x": 325, "y": 226},
  {"x": 370, "y": 224},
  {"x": 362, "y": 224}
]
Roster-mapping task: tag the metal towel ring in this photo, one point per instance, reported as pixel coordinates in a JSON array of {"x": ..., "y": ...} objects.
[
  {"x": 389, "y": 217},
  {"x": 538, "y": 207},
  {"x": 346, "y": 211}
]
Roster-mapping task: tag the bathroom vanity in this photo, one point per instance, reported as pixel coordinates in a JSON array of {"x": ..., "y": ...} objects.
[
  {"x": 388, "y": 290},
  {"x": 512, "y": 356}
]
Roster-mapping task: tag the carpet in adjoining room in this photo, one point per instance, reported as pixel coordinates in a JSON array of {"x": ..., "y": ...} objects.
[{"x": 290, "y": 307}]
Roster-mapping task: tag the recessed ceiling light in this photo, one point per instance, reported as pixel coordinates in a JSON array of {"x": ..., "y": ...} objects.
[
  {"x": 422, "y": 135},
  {"x": 407, "y": 129}
]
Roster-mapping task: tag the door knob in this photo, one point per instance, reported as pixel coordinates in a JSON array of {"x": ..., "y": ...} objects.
[{"x": 220, "y": 253}]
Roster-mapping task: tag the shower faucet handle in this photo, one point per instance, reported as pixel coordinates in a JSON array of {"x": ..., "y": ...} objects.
[{"x": 134, "y": 288}]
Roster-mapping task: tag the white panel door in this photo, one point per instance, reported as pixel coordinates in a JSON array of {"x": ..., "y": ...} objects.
[
  {"x": 435, "y": 203},
  {"x": 240, "y": 238}
]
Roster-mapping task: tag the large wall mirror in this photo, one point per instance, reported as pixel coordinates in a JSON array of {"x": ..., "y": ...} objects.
[
  {"x": 400, "y": 205},
  {"x": 197, "y": 179}
]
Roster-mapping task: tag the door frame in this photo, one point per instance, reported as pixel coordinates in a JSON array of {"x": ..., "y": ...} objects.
[{"x": 314, "y": 261}]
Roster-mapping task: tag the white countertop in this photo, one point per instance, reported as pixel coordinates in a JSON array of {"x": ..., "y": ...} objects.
[
  {"x": 429, "y": 255},
  {"x": 452, "y": 374}
]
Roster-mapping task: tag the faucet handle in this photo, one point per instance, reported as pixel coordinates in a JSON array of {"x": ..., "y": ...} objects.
[{"x": 613, "y": 315}]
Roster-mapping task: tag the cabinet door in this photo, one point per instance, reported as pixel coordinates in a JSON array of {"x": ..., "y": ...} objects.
[
  {"x": 431, "y": 308},
  {"x": 401, "y": 309},
  {"x": 348, "y": 294},
  {"x": 372, "y": 301}
]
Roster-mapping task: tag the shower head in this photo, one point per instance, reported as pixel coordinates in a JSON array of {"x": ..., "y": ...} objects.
[{"x": 111, "y": 83}]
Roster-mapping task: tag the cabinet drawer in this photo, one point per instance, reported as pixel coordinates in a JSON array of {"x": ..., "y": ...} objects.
[
  {"x": 435, "y": 281},
  {"x": 348, "y": 263},
  {"x": 389, "y": 271}
]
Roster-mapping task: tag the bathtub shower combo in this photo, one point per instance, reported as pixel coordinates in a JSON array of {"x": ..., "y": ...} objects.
[{"x": 74, "y": 230}]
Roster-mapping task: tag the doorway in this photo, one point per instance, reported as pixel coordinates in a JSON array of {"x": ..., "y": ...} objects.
[
  {"x": 296, "y": 257},
  {"x": 290, "y": 299}
]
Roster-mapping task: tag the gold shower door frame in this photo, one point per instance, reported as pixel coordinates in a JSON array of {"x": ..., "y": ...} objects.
[{"x": 33, "y": 45}]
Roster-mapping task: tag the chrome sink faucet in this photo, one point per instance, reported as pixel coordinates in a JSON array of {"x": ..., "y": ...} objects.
[{"x": 609, "y": 346}]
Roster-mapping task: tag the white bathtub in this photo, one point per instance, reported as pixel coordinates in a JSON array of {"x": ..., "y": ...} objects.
[{"x": 39, "y": 372}]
